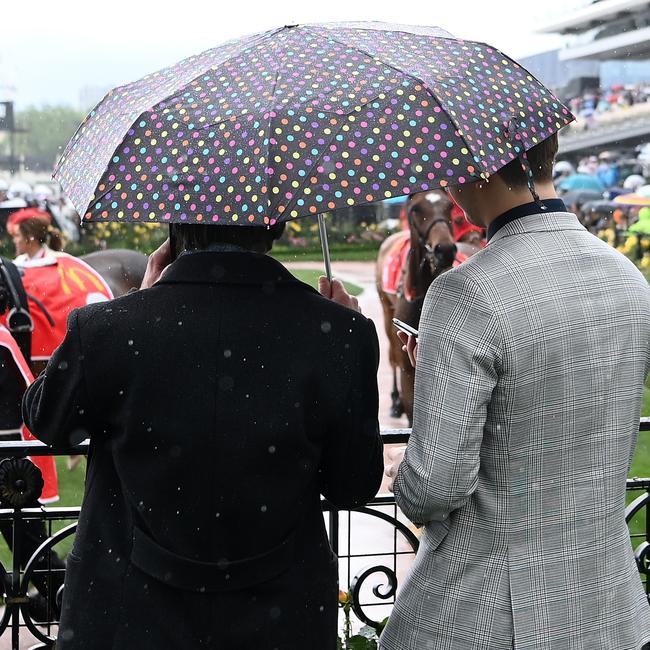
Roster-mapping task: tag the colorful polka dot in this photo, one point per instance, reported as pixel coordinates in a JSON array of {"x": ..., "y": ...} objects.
[{"x": 299, "y": 120}]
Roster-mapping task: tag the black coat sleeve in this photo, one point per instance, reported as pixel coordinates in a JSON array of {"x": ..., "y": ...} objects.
[
  {"x": 12, "y": 387},
  {"x": 56, "y": 406},
  {"x": 352, "y": 465}
]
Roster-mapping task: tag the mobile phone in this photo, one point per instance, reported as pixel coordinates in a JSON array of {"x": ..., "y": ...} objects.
[{"x": 405, "y": 327}]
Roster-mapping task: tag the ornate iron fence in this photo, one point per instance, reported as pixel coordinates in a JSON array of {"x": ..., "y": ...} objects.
[{"x": 370, "y": 563}]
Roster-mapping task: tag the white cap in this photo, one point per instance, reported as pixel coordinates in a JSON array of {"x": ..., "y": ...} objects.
[
  {"x": 563, "y": 167},
  {"x": 633, "y": 182}
]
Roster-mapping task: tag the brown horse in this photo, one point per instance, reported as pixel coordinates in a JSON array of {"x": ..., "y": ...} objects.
[
  {"x": 432, "y": 251},
  {"x": 122, "y": 269}
]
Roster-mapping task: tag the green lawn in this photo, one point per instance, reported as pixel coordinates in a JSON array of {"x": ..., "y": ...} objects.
[
  {"x": 338, "y": 252},
  {"x": 311, "y": 277}
]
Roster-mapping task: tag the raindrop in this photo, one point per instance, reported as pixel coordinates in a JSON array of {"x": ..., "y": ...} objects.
[
  {"x": 63, "y": 365},
  {"x": 130, "y": 341},
  {"x": 227, "y": 354},
  {"x": 121, "y": 392},
  {"x": 263, "y": 508},
  {"x": 326, "y": 327},
  {"x": 180, "y": 322},
  {"x": 272, "y": 449}
]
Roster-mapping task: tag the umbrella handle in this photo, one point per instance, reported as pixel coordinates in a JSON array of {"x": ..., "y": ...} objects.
[{"x": 325, "y": 246}]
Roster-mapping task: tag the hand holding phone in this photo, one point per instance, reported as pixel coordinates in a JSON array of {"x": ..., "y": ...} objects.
[{"x": 405, "y": 327}]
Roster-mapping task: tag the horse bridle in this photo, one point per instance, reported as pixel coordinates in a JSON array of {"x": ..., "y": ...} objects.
[{"x": 423, "y": 238}]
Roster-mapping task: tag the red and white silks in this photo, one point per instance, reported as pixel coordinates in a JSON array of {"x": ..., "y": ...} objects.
[
  {"x": 44, "y": 463},
  {"x": 62, "y": 283}
]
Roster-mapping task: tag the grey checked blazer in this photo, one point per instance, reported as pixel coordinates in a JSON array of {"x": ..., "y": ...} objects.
[{"x": 532, "y": 359}]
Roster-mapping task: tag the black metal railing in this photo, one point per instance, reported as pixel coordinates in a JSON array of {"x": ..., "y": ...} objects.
[{"x": 370, "y": 563}]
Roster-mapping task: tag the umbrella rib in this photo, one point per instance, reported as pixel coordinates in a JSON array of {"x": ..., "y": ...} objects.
[
  {"x": 271, "y": 110},
  {"x": 416, "y": 79},
  {"x": 256, "y": 39}
]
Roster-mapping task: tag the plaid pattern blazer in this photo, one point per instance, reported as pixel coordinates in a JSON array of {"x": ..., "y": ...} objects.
[{"x": 531, "y": 364}]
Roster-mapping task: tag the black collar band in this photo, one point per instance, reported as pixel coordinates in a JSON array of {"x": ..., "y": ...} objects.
[{"x": 524, "y": 210}]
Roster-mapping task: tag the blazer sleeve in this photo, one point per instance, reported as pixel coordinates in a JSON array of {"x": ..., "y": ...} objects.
[
  {"x": 353, "y": 463},
  {"x": 56, "y": 406},
  {"x": 457, "y": 370}
]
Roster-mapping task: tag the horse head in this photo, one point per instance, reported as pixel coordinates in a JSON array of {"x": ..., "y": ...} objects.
[{"x": 432, "y": 241}]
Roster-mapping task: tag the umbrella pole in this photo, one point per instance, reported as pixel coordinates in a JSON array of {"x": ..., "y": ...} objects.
[{"x": 324, "y": 245}]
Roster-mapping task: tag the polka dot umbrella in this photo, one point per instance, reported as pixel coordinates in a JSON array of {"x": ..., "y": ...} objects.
[{"x": 302, "y": 120}]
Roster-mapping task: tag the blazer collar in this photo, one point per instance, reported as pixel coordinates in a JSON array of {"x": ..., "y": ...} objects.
[
  {"x": 210, "y": 267},
  {"x": 539, "y": 222},
  {"x": 534, "y": 207}
]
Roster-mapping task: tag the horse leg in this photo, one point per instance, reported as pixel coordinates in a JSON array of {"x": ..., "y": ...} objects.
[
  {"x": 407, "y": 382},
  {"x": 394, "y": 347},
  {"x": 409, "y": 312},
  {"x": 396, "y": 406}
]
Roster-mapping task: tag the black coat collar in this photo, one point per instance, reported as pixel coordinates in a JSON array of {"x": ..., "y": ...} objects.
[
  {"x": 210, "y": 267},
  {"x": 534, "y": 207}
]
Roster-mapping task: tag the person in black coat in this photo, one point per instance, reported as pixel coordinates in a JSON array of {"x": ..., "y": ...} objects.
[{"x": 220, "y": 403}]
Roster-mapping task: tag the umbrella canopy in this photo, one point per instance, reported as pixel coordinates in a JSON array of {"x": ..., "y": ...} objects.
[
  {"x": 633, "y": 182},
  {"x": 632, "y": 199},
  {"x": 644, "y": 190},
  {"x": 601, "y": 206},
  {"x": 581, "y": 182},
  {"x": 613, "y": 192},
  {"x": 302, "y": 120},
  {"x": 578, "y": 197}
]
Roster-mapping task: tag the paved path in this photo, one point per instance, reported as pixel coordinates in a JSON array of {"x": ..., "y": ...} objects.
[{"x": 363, "y": 274}]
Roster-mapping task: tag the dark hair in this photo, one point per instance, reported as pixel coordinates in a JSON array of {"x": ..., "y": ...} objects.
[
  {"x": 540, "y": 158},
  {"x": 195, "y": 236},
  {"x": 42, "y": 232}
]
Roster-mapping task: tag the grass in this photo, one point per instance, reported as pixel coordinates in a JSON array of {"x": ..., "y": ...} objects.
[
  {"x": 338, "y": 252},
  {"x": 310, "y": 277}
]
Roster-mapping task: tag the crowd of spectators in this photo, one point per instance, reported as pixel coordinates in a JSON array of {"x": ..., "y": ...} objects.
[{"x": 594, "y": 107}]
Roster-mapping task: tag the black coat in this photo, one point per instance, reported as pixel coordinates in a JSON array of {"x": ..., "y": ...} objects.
[{"x": 220, "y": 404}]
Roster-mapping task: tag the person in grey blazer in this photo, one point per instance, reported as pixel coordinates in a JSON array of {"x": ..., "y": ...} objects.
[{"x": 531, "y": 363}]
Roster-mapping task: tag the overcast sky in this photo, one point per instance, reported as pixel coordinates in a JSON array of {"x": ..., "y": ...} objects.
[{"x": 49, "y": 50}]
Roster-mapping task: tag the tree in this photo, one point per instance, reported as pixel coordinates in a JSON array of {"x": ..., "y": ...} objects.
[{"x": 47, "y": 131}]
